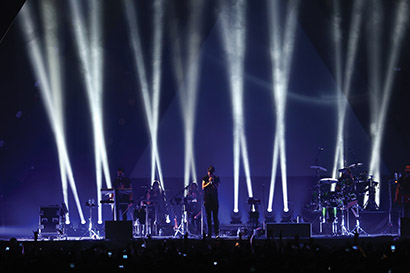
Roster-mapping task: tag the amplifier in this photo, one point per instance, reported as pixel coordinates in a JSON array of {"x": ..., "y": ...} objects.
[
  {"x": 49, "y": 219},
  {"x": 118, "y": 230},
  {"x": 274, "y": 230},
  {"x": 404, "y": 227}
]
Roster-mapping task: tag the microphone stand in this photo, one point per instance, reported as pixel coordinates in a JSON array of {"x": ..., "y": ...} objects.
[
  {"x": 181, "y": 228},
  {"x": 319, "y": 197},
  {"x": 389, "y": 228}
]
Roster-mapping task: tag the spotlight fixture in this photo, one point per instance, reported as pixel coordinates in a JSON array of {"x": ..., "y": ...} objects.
[{"x": 236, "y": 217}]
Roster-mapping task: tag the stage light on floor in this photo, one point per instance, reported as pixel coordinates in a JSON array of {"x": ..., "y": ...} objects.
[
  {"x": 286, "y": 217},
  {"x": 236, "y": 217},
  {"x": 269, "y": 217}
]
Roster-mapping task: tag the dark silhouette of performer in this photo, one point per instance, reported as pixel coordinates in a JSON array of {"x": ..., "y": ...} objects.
[
  {"x": 193, "y": 205},
  {"x": 124, "y": 198},
  {"x": 402, "y": 195},
  {"x": 210, "y": 185},
  {"x": 155, "y": 203}
]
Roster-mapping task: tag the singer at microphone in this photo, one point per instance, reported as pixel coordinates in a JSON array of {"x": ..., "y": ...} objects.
[{"x": 210, "y": 185}]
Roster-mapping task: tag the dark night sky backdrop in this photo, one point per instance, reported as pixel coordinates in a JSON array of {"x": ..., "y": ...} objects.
[{"x": 29, "y": 170}]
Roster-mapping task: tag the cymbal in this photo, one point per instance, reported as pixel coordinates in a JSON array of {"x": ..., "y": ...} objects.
[
  {"x": 344, "y": 169},
  {"x": 319, "y": 168},
  {"x": 354, "y": 165},
  {"x": 328, "y": 180}
]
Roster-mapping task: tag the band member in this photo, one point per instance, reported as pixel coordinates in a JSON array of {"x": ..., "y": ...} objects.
[
  {"x": 154, "y": 202},
  {"x": 193, "y": 204},
  {"x": 124, "y": 198},
  {"x": 345, "y": 181},
  {"x": 402, "y": 194},
  {"x": 210, "y": 185}
]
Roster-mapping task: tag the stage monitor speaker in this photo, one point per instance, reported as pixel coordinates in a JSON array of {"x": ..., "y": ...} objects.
[
  {"x": 49, "y": 220},
  {"x": 118, "y": 230},
  {"x": 405, "y": 227},
  {"x": 274, "y": 230}
]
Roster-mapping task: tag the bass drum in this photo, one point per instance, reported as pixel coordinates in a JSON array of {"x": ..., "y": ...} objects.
[{"x": 336, "y": 200}]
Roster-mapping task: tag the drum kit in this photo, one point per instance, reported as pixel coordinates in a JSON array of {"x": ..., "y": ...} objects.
[{"x": 335, "y": 198}]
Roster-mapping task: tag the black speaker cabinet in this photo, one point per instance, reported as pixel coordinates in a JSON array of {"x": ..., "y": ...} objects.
[
  {"x": 118, "y": 230},
  {"x": 49, "y": 219},
  {"x": 288, "y": 230},
  {"x": 405, "y": 227}
]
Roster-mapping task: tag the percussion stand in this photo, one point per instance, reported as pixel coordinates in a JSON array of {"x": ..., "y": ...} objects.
[
  {"x": 147, "y": 230},
  {"x": 371, "y": 202},
  {"x": 91, "y": 232},
  {"x": 343, "y": 230},
  {"x": 181, "y": 228},
  {"x": 355, "y": 210},
  {"x": 202, "y": 220}
]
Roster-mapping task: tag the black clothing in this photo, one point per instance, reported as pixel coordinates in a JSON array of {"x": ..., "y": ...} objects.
[
  {"x": 193, "y": 205},
  {"x": 404, "y": 184},
  {"x": 154, "y": 202},
  {"x": 211, "y": 204},
  {"x": 404, "y": 194},
  {"x": 211, "y": 191},
  {"x": 123, "y": 198}
]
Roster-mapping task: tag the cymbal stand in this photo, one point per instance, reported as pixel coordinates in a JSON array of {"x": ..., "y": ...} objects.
[
  {"x": 343, "y": 230},
  {"x": 322, "y": 219},
  {"x": 371, "y": 202},
  {"x": 389, "y": 228},
  {"x": 319, "y": 196},
  {"x": 147, "y": 230},
  {"x": 335, "y": 221},
  {"x": 91, "y": 232},
  {"x": 357, "y": 229},
  {"x": 181, "y": 228}
]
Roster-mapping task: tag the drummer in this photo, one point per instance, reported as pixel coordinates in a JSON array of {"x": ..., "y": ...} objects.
[{"x": 345, "y": 180}]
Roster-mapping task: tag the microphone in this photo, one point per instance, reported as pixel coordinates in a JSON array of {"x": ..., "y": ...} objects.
[{"x": 321, "y": 149}]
